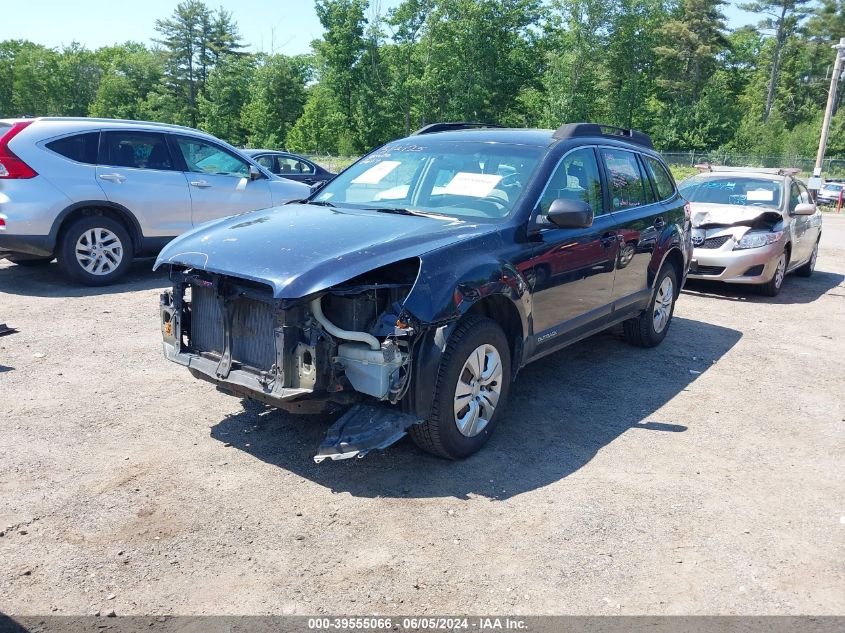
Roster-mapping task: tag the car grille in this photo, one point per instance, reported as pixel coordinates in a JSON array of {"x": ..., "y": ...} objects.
[
  {"x": 715, "y": 242},
  {"x": 253, "y": 338},
  {"x": 708, "y": 270}
]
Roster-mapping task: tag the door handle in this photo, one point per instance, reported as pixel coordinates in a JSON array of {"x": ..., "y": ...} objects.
[
  {"x": 112, "y": 177},
  {"x": 200, "y": 184},
  {"x": 609, "y": 239}
]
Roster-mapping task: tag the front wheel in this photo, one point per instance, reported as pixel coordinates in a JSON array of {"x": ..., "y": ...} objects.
[
  {"x": 95, "y": 250},
  {"x": 650, "y": 328},
  {"x": 470, "y": 390}
]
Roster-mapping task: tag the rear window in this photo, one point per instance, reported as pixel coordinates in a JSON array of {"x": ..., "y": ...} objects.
[{"x": 80, "y": 147}]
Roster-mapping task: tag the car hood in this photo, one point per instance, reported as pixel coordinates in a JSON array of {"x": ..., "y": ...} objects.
[
  {"x": 708, "y": 214},
  {"x": 300, "y": 249}
]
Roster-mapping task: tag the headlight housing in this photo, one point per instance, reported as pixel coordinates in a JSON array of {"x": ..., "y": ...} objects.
[{"x": 757, "y": 239}]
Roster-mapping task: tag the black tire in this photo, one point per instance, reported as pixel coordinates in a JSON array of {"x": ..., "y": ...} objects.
[
  {"x": 642, "y": 330},
  {"x": 67, "y": 250},
  {"x": 807, "y": 269},
  {"x": 772, "y": 287},
  {"x": 29, "y": 262},
  {"x": 439, "y": 434}
]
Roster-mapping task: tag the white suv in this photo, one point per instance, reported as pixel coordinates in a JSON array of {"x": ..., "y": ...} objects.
[{"x": 94, "y": 193}]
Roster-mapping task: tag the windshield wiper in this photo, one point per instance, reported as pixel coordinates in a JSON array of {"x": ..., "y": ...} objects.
[
  {"x": 322, "y": 203},
  {"x": 403, "y": 211}
]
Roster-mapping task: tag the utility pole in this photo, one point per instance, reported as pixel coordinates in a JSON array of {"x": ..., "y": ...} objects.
[{"x": 831, "y": 99}]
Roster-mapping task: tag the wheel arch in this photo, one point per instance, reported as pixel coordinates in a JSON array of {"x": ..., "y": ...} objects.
[{"x": 97, "y": 207}]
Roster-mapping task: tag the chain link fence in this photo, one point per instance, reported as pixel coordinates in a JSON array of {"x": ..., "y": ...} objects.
[{"x": 831, "y": 166}]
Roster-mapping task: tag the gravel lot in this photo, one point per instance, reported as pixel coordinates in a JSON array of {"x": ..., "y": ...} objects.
[{"x": 701, "y": 477}]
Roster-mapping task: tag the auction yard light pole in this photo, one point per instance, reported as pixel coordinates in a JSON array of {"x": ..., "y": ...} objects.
[{"x": 831, "y": 99}]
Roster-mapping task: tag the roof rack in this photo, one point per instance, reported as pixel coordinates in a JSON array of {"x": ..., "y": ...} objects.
[
  {"x": 573, "y": 130},
  {"x": 449, "y": 127},
  {"x": 775, "y": 171}
]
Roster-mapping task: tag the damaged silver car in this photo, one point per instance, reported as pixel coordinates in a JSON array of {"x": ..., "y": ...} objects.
[{"x": 751, "y": 226}]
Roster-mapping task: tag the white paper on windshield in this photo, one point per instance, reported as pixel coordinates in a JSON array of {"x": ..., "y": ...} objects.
[
  {"x": 376, "y": 173},
  {"x": 467, "y": 183},
  {"x": 760, "y": 195}
]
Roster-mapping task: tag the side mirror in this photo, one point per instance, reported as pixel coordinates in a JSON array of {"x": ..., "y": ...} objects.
[
  {"x": 570, "y": 214},
  {"x": 254, "y": 172},
  {"x": 805, "y": 208}
]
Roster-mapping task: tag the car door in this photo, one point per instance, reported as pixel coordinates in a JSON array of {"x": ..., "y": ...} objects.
[
  {"x": 640, "y": 218},
  {"x": 296, "y": 168},
  {"x": 218, "y": 180},
  {"x": 136, "y": 170},
  {"x": 803, "y": 231},
  {"x": 571, "y": 270}
]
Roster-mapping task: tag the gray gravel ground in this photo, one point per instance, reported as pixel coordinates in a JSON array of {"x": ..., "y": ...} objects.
[{"x": 701, "y": 477}]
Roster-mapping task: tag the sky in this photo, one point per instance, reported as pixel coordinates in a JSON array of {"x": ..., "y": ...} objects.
[{"x": 271, "y": 26}]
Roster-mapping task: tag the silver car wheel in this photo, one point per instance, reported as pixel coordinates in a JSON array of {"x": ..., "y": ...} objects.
[
  {"x": 780, "y": 271},
  {"x": 663, "y": 304},
  {"x": 478, "y": 390},
  {"x": 99, "y": 251}
]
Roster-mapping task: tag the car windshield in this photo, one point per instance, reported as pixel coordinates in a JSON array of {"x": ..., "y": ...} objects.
[
  {"x": 451, "y": 178},
  {"x": 741, "y": 190},
  {"x": 834, "y": 187}
]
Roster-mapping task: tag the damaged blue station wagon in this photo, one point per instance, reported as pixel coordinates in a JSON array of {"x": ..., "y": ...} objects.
[{"x": 416, "y": 284}]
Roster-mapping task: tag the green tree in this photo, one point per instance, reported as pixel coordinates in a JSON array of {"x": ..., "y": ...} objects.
[
  {"x": 275, "y": 101},
  {"x": 227, "y": 91}
]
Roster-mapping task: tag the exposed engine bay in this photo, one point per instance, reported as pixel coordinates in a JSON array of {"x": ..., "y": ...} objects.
[{"x": 348, "y": 344}]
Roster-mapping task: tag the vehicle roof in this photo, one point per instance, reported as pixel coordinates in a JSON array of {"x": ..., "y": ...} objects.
[
  {"x": 100, "y": 123},
  {"x": 743, "y": 173}
]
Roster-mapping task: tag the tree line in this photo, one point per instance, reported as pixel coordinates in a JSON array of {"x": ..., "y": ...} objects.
[{"x": 669, "y": 67}]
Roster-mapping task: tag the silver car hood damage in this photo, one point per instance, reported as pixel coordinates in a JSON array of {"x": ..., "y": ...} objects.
[{"x": 708, "y": 215}]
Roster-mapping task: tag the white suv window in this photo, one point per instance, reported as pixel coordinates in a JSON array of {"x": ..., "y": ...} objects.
[
  {"x": 206, "y": 158},
  {"x": 139, "y": 150}
]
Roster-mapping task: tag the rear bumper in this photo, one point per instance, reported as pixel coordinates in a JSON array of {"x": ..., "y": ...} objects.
[
  {"x": 748, "y": 266},
  {"x": 38, "y": 245}
]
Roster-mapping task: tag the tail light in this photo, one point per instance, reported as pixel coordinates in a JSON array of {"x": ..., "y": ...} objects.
[{"x": 10, "y": 165}]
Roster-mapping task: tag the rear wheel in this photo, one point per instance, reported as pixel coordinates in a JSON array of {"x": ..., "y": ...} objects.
[
  {"x": 772, "y": 287},
  {"x": 650, "y": 328},
  {"x": 470, "y": 390},
  {"x": 95, "y": 250},
  {"x": 807, "y": 269}
]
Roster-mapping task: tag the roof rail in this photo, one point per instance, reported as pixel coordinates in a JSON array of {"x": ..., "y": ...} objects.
[
  {"x": 775, "y": 171},
  {"x": 89, "y": 119},
  {"x": 573, "y": 130},
  {"x": 449, "y": 127}
]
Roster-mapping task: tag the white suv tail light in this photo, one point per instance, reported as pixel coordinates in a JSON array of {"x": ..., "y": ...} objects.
[{"x": 12, "y": 167}]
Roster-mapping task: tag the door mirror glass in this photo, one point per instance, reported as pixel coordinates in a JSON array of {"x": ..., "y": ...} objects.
[
  {"x": 805, "y": 208},
  {"x": 566, "y": 213}
]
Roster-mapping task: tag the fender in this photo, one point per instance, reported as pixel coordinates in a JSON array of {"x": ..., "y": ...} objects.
[
  {"x": 670, "y": 240},
  {"x": 133, "y": 225}
]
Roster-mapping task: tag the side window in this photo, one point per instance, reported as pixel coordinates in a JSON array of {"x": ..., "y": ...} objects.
[
  {"x": 661, "y": 179},
  {"x": 203, "y": 157},
  {"x": 293, "y": 166},
  {"x": 627, "y": 186},
  {"x": 268, "y": 163},
  {"x": 80, "y": 147},
  {"x": 576, "y": 178},
  {"x": 141, "y": 150}
]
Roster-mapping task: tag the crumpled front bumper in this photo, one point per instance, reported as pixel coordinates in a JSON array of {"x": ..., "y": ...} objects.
[{"x": 738, "y": 267}]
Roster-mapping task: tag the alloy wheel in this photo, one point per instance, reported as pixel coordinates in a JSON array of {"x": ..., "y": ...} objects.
[{"x": 99, "y": 251}]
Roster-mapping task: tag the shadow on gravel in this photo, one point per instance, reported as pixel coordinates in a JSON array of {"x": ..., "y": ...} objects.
[
  {"x": 795, "y": 289},
  {"x": 563, "y": 409},
  {"x": 48, "y": 281},
  {"x": 4, "y": 369}
]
